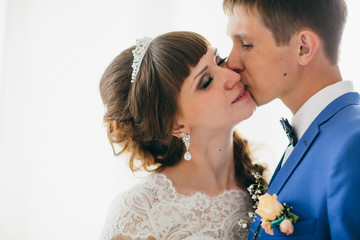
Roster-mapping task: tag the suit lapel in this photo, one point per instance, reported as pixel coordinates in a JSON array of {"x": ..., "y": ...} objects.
[
  {"x": 297, "y": 155},
  {"x": 278, "y": 167},
  {"x": 294, "y": 159},
  {"x": 282, "y": 174}
]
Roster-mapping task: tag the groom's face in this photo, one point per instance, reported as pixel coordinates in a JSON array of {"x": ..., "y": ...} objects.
[{"x": 266, "y": 69}]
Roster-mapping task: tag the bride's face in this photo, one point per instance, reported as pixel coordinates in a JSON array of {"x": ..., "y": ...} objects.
[{"x": 213, "y": 96}]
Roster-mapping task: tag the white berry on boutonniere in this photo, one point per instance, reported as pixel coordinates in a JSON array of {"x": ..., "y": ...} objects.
[{"x": 271, "y": 211}]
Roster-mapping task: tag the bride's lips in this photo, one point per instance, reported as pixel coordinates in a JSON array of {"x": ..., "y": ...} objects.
[{"x": 242, "y": 94}]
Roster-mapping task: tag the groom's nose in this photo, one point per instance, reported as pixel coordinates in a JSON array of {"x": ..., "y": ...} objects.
[{"x": 235, "y": 61}]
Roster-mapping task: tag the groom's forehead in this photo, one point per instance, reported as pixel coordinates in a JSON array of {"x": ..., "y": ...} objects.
[
  {"x": 241, "y": 18},
  {"x": 239, "y": 28}
]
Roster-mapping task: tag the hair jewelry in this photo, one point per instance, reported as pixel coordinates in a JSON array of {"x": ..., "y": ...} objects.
[{"x": 138, "y": 53}]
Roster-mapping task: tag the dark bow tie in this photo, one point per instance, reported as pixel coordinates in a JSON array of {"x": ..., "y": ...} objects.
[{"x": 289, "y": 130}]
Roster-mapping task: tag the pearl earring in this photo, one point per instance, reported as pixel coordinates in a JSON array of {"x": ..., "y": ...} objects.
[{"x": 186, "y": 139}]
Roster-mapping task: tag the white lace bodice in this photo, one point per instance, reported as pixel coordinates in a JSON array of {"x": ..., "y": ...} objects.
[{"x": 153, "y": 209}]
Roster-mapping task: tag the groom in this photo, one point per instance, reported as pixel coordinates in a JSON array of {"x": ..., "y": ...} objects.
[{"x": 289, "y": 50}]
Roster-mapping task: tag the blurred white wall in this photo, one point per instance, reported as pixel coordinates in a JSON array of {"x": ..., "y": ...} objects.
[
  {"x": 57, "y": 172},
  {"x": 3, "y": 15}
]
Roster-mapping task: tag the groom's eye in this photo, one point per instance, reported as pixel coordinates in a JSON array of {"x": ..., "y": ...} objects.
[{"x": 247, "y": 46}]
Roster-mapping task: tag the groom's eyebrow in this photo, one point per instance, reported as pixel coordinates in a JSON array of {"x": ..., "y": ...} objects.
[{"x": 240, "y": 36}]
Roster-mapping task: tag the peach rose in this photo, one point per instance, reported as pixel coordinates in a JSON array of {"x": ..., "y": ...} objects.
[
  {"x": 269, "y": 207},
  {"x": 267, "y": 227},
  {"x": 286, "y": 226}
]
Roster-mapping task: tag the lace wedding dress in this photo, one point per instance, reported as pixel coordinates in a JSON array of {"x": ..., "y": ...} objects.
[{"x": 153, "y": 209}]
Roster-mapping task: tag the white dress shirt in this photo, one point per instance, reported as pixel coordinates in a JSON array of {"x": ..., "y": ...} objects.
[{"x": 313, "y": 107}]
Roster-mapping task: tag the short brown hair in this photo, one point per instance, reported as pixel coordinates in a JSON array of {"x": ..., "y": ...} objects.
[
  {"x": 283, "y": 18},
  {"x": 140, "y": 115}
]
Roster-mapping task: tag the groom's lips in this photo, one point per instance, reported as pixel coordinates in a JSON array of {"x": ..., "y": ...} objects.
[{"x": 243, "y": 92}]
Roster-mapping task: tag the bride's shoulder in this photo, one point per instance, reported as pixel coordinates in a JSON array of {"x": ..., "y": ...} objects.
[
  {"x": 144, "y": 192},
  {"x": 129, "y": 212}
]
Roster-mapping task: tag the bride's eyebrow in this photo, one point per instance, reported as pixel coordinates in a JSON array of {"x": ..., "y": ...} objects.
[
  {"x": 206, "y": 67},
  {"x": 197, "y": 75},
  {"x": 215, "y": 54},
  {"x": 203, "y": 70}
]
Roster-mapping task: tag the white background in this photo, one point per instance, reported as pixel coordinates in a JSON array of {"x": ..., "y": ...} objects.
[{"x": 57, "y": 172}]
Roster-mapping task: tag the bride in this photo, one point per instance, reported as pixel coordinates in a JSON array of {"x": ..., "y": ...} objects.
[{"x": 173, "y": 105}]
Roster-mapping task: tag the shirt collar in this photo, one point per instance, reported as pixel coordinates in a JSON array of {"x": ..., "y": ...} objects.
[{"x": 314, "y": 105}]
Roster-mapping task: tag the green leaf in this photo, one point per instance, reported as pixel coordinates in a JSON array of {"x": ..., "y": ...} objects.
[{"x": 292, "y": 217}]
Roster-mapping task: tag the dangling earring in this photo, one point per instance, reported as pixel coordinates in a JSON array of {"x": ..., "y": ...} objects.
[{"x": 186, "y": 139}]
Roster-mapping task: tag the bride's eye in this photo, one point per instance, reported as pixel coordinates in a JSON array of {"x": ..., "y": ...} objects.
[
  {"x": 205, "y": 81},
  {"x": 219, "y": 60}
]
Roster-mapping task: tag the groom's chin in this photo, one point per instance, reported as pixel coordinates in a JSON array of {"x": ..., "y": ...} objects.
[{"x": 260, "y": 102}]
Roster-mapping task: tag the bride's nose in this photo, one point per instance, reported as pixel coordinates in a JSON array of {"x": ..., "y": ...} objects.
[{"x": 231, "y": 78}]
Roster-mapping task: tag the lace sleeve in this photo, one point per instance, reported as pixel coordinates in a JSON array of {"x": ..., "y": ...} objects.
[{"x": 128, "y": 217}]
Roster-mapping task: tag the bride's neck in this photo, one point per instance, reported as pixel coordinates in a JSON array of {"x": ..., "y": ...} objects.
[{"x": 211, "y": 168}]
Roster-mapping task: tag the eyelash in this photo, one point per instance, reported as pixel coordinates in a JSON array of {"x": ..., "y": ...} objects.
[
  {"x": 207, "y": 83},
  {"x": 221, "y": 61},
  {"x": 247, "y": 46}
]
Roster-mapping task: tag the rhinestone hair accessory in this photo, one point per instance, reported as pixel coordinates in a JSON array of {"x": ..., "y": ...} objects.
[{"x": 138, "y": 53}]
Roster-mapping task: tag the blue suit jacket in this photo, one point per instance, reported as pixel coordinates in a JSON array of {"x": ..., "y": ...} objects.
[{"x": 321, "y": 177}]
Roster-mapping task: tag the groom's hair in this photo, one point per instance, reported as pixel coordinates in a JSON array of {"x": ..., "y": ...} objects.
[{"x": 284, "y": 18}]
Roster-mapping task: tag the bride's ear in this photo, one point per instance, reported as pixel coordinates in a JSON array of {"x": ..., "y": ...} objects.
[{"x": 179, "y": 129}]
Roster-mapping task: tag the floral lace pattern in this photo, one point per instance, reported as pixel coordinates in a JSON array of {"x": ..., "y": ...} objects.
[{"x": 153, "y": 209}]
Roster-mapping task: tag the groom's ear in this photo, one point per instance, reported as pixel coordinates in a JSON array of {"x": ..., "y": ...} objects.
[{"x": 308, "y": 44}]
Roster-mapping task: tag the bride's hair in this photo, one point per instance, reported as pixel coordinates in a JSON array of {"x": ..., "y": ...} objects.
[{"x": 139, "y": 116}]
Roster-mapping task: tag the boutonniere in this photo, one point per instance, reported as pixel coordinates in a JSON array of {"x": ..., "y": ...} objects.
[{"x": 271, "y": 211}]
